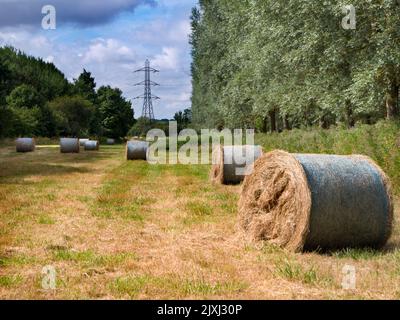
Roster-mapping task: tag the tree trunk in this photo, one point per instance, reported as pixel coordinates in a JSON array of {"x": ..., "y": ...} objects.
[
  {"x": 368, "y": 119},
  {"x": 323, "y": 123},
  {"x": 392, "y": 100},
  {"x": 265, "y": 125},
  {"x": 272, "y": 116},
  {"x": 349, "y": 114},
  {"x": 287, "y": 123}
]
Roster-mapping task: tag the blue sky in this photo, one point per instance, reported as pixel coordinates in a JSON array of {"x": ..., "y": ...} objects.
[{"x": 111, "y": 39}]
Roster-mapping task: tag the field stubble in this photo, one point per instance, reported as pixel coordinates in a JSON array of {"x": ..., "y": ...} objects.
[{"x": 129, "y": 230}]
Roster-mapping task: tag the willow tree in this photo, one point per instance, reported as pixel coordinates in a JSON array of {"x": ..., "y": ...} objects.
[{"x": 295, "y": 61}]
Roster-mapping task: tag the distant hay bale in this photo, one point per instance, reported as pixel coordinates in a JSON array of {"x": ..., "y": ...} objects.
[
  {"x": 83, "y": 141},
  {"x": 137, "y": 150},
  {"x": 110, "y": 142},
  {"x": 25, "y": 145},
  {"x": 69, "y": 145},
  {"x": 92, "y": 145},
  {"x": 308, "y": 202},
  {"x": 228, "y": 162}
]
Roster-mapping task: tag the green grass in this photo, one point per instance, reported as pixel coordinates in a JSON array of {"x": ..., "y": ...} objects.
[
  {"x": 133, "y": 286},
  {"x": 89, "y": 258},
  {"x": 199, "y": 212},
  {"x": 16, "y": 260},
  {"x": 358, "y": 254},
  {"x": 129, "y": 286},
  {"x": 45, "y": 219},
  {"x": 293, "y": 271},
  {"x": 204, "y": 288},
  {"x": 119, "y": 229},
  {"x": 10, "y": 281},
  {"x": 199, "y": 209},
  {"x": 114, "y": 198}
]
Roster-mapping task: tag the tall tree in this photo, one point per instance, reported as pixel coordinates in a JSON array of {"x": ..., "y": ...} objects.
[
  {"x": 183, "y": 118},
  {"x": 85, "y": 86},
  {"x": 291, "y": 62},
  {"x": 73, "y": 115},
  {"x": 116, "y": 113},
  {"x": 24, "y": 96}
]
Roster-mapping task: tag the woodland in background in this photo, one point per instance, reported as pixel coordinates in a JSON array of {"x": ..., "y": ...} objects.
[
  {"x": 282, "y": 64},
  {"x": 37, "y": 100}
]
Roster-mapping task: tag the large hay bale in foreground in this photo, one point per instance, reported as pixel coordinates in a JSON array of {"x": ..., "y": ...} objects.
[
  {"x": 83, "y": 141},
  {"x": 69, "y": 145},
  {"x": 228, "y": 165},
  {"x": 25, "y": 145},
  {"x": 92, "y": 145},
  {"x": 308, "y": 202},
  {"x": 137, "y": 150}
]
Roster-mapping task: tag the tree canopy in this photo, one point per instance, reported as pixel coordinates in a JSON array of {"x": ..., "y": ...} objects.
[
  {"x": 116, "y": 113},
  {"x": 291, "y": 63},
  {"x": 37, "y": 100}
]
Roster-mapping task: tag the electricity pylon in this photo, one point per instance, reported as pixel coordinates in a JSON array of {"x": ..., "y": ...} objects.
[{"x": 147, "y": 97}]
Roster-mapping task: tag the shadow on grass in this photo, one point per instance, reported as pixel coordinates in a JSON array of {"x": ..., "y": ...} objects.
[
  {"x": 46, "y": 164},
  {"x": 362, "y": 253},
  {"x": 27, "y": 169}
]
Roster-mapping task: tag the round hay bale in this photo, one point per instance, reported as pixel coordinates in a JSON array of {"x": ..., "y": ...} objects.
[
  {"x": 110, "y": 142},
  {"x": 69, "y": 145},
  {"x": 227, "y": 165},
  {"x": 25, "y": 145},
  {"x": 83, "y": 141},
  {"x": 137, "y": 150},
  {"x": 92, "y": 145},
  {"x": 309, "y": 202}
]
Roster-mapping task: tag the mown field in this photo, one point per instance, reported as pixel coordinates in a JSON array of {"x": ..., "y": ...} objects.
[{"x": 129, "y": 230}]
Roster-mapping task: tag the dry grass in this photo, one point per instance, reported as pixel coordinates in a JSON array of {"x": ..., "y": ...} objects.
[{"x": 128, "y": 230}]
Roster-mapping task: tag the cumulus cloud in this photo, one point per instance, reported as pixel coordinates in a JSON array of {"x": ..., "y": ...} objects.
[
  {"x": 109, "y": 50},
  {"x": 113, "y": 51},
  {"x": 84, "y": 12},
  {"x": 24, "y": 40},
  {"x": 168, "y": 59}
]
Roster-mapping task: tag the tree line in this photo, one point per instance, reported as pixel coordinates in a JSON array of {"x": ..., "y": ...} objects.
[
  {"x": 37, "y": 100},
  {"x": 280, "y": 64}
]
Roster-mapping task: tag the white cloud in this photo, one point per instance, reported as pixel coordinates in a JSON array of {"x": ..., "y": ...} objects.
[
  {"x": 112, "y": 52},
  {"x": 109, "y": 50},
  {"x": 35, "y": 44},
  {"x": 168, "y": 59}
]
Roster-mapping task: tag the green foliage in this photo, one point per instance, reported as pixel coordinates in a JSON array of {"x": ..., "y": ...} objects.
[
  {"x": 73, "y": 115},
  {"x": 24, "y": 96},
  {"x": 183, "y": 118},
  {"x": 6, "y": 117},
  {"x": 286, "y": 63},
  {"x": 25, "y": 121},
  {"x": 48, "y": 81},
  {"x": 140, "y": 128},
  {"x": 85, "y": 86},
  {"x": 37, "y": 100},
  {"x": 116, "y": 113}
]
